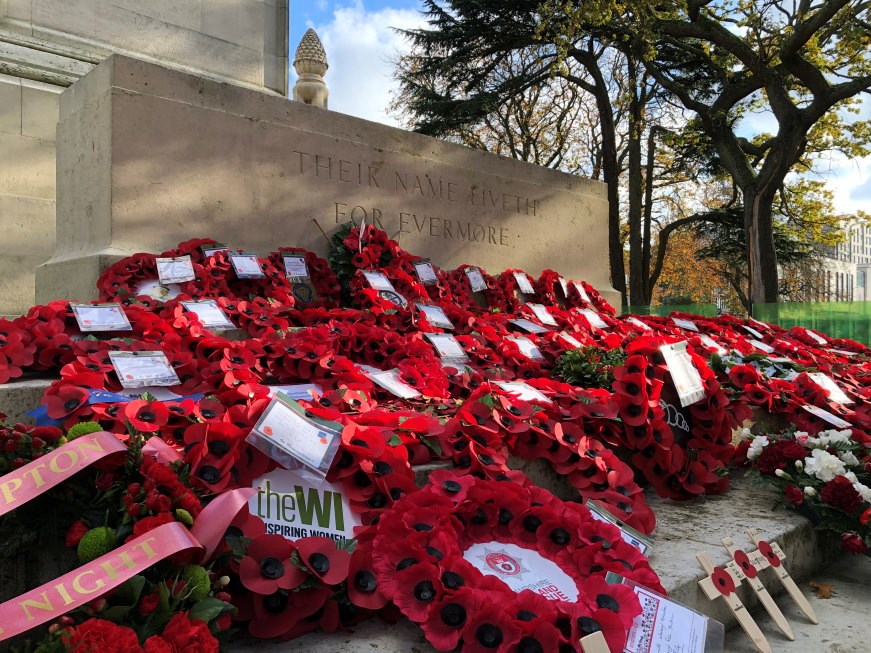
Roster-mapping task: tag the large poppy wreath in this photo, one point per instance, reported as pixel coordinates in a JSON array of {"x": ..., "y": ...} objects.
[{"x": 498, "y": 566}]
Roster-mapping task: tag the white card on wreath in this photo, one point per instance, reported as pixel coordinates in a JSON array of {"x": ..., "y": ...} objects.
[
  {"x": 213, "y": 248},
  {"x": 543, "y": 314},
  {"x": 139, "y": 369},
  {"x": 684, "y": 375},
  {"x": 476, "y": 279},
  {"x": 753, "y": 332},
  {"x": 710, "y": 343},
  {"x": 527, "y": 347},
  {"x": 435, "y": 315},
  {"x": 529, "y": 326},
  {"x": 826, "y": 416},
  {"x": 667, "y": 626},
  {"x": 154, "y": 289},
  {"x": 175, "y": 270},
  {"x": 297, "y": 391},
  {"x": 565, "y": 286},
  {"x": 582, "y": 292},
  {"x": 524, "y": 391},
  {"x": 523, "y": 283},
  {"x": 447, "y": 347},
  {"x": 285, "y": 427},
  {"x": 247, "y": 266},
  {"x": 393, "y": 383},
  {"x": 685, "y": 324},
  {"x": 768, "y": 349},
  {"x": 426, "y": 273},
  {"x": 569, "y": 338},
  {"x": 631, "y": 536},
  {"x": 378, "y": 281},
  {"x": 594, "y": 318},
  {"x": 828, "y": 383},
  {"x": 211, "y": 315},
  {"x": 295, "y": 266},
  {"x": 101, "y": 317},
  {"x": 638, "y": 323},
  {"x": 819, "y": 339}
]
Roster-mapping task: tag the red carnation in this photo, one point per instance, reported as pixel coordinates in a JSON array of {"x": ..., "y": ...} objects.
[
  {"x": 101, "y": 635},
  {"x": 186, "y": 636},
  {"x": 840, "y": 493},
  {"x": 853, "y": 543},
  {"x": 794, "y": 494},
  {"x": 76, "y": 532},
  {"x": 148, "y": 603}
]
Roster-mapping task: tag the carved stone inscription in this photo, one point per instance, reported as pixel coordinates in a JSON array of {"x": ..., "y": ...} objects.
[{"x": 417, "y": 186}]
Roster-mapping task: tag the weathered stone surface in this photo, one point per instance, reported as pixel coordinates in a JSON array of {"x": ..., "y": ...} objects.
[
  {"x": 46, "y": 45},
  {"x": 149, "y": 156}
]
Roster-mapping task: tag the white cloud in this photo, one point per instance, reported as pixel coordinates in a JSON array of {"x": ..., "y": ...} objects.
[{"x": 360, "y": 45}]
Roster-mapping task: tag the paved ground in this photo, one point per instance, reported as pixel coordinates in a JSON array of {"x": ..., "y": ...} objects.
[
  {"x": 845, "y": 623},
  {"x": 845, "y": 619}
]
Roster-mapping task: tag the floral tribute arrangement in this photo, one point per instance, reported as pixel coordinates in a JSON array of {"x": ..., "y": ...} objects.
[{"x": 172, "y": 515}]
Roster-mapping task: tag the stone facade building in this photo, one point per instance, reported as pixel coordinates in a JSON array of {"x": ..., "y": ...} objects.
[{"x": 46, "y": 45}]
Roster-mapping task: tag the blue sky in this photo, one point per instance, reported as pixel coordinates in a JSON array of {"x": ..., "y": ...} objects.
[{"x": 360, "y": 43}]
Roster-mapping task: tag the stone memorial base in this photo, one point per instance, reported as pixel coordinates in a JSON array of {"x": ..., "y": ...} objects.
[{"x": 149, "y": 157}]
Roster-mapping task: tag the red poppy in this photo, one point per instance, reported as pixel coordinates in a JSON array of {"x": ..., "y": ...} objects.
[
  {"x": 321, "y": 557},
  {"x": 266, "y": 567},
  {"x": 490, "y": 628},
  {"x": 65, "y": 401},
  {"x": 146, "y": 416},
  {"x": 743, "y": 561},
  {"x": 723, "y": 581}
]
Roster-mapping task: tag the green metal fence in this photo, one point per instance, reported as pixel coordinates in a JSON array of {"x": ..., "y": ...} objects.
[
  {"x": 706, "y": 310},
  {"x": 837, "y": 319}
]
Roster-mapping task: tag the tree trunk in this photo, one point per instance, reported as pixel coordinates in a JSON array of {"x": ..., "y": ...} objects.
[
  {"x": 611, "y": 172},
  {"x": 636, "y": 255},
  {"x": 647, "y": 242},
  {"x": 761, "y": 255}
]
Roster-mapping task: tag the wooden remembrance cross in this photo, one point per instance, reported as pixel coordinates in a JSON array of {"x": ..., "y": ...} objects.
[
  {"x": 751, "y": 572},
  {"x": 721, "y": 583},
  {"x": 771, "y": 555}
]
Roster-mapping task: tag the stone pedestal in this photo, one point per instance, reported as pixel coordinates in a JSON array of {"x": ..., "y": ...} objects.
[
  {"x": 149, "y": 156},
  {"x": 46, "y": 45}
]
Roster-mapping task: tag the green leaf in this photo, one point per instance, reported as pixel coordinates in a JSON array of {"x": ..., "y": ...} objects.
[
  {"x": 207, "y": 609},
  {"x": 394, "y": 441},
  {"x": 433, "y": 445},
  {"x": 348, "y": 545}
]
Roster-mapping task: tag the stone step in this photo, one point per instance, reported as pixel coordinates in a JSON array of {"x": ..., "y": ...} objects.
[
  {"x": 683, "y": 530},
  {"x": 21, "y": 396}
]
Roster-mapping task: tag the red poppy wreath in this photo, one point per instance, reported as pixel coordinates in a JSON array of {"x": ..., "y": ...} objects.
[{"x": 499, "y": 566}]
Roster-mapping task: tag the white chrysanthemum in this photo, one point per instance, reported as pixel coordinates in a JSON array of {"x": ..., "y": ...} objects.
[
  {"x": 850, "y": 476},
  {"x": 823, "y": 465},
  {"x": 849, "y": 458},
  {"x": 809, "y": 491},
  {"x": 746, "y": 434},
  {"x": 864, "y": 491},
  {"x": 756, "y": 447}
]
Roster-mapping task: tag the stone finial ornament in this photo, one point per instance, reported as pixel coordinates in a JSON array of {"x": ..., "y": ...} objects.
[{"x": 310, "y": 64}]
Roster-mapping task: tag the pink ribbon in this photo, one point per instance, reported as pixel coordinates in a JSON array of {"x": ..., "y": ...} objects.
[
  {"x": 88, "y": 582},
  {"x": 211, "y": 524},
  {"x": 104, "y": 574},
  {"x": 158, "y": 449},
  {"x": 41, "y": 475}
]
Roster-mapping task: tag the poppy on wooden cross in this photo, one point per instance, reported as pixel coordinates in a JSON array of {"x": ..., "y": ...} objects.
[
  {"x": 771, "y": 555},
  {"x": 721, "y": 583},
  {"x": 751, "y": 571}
]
